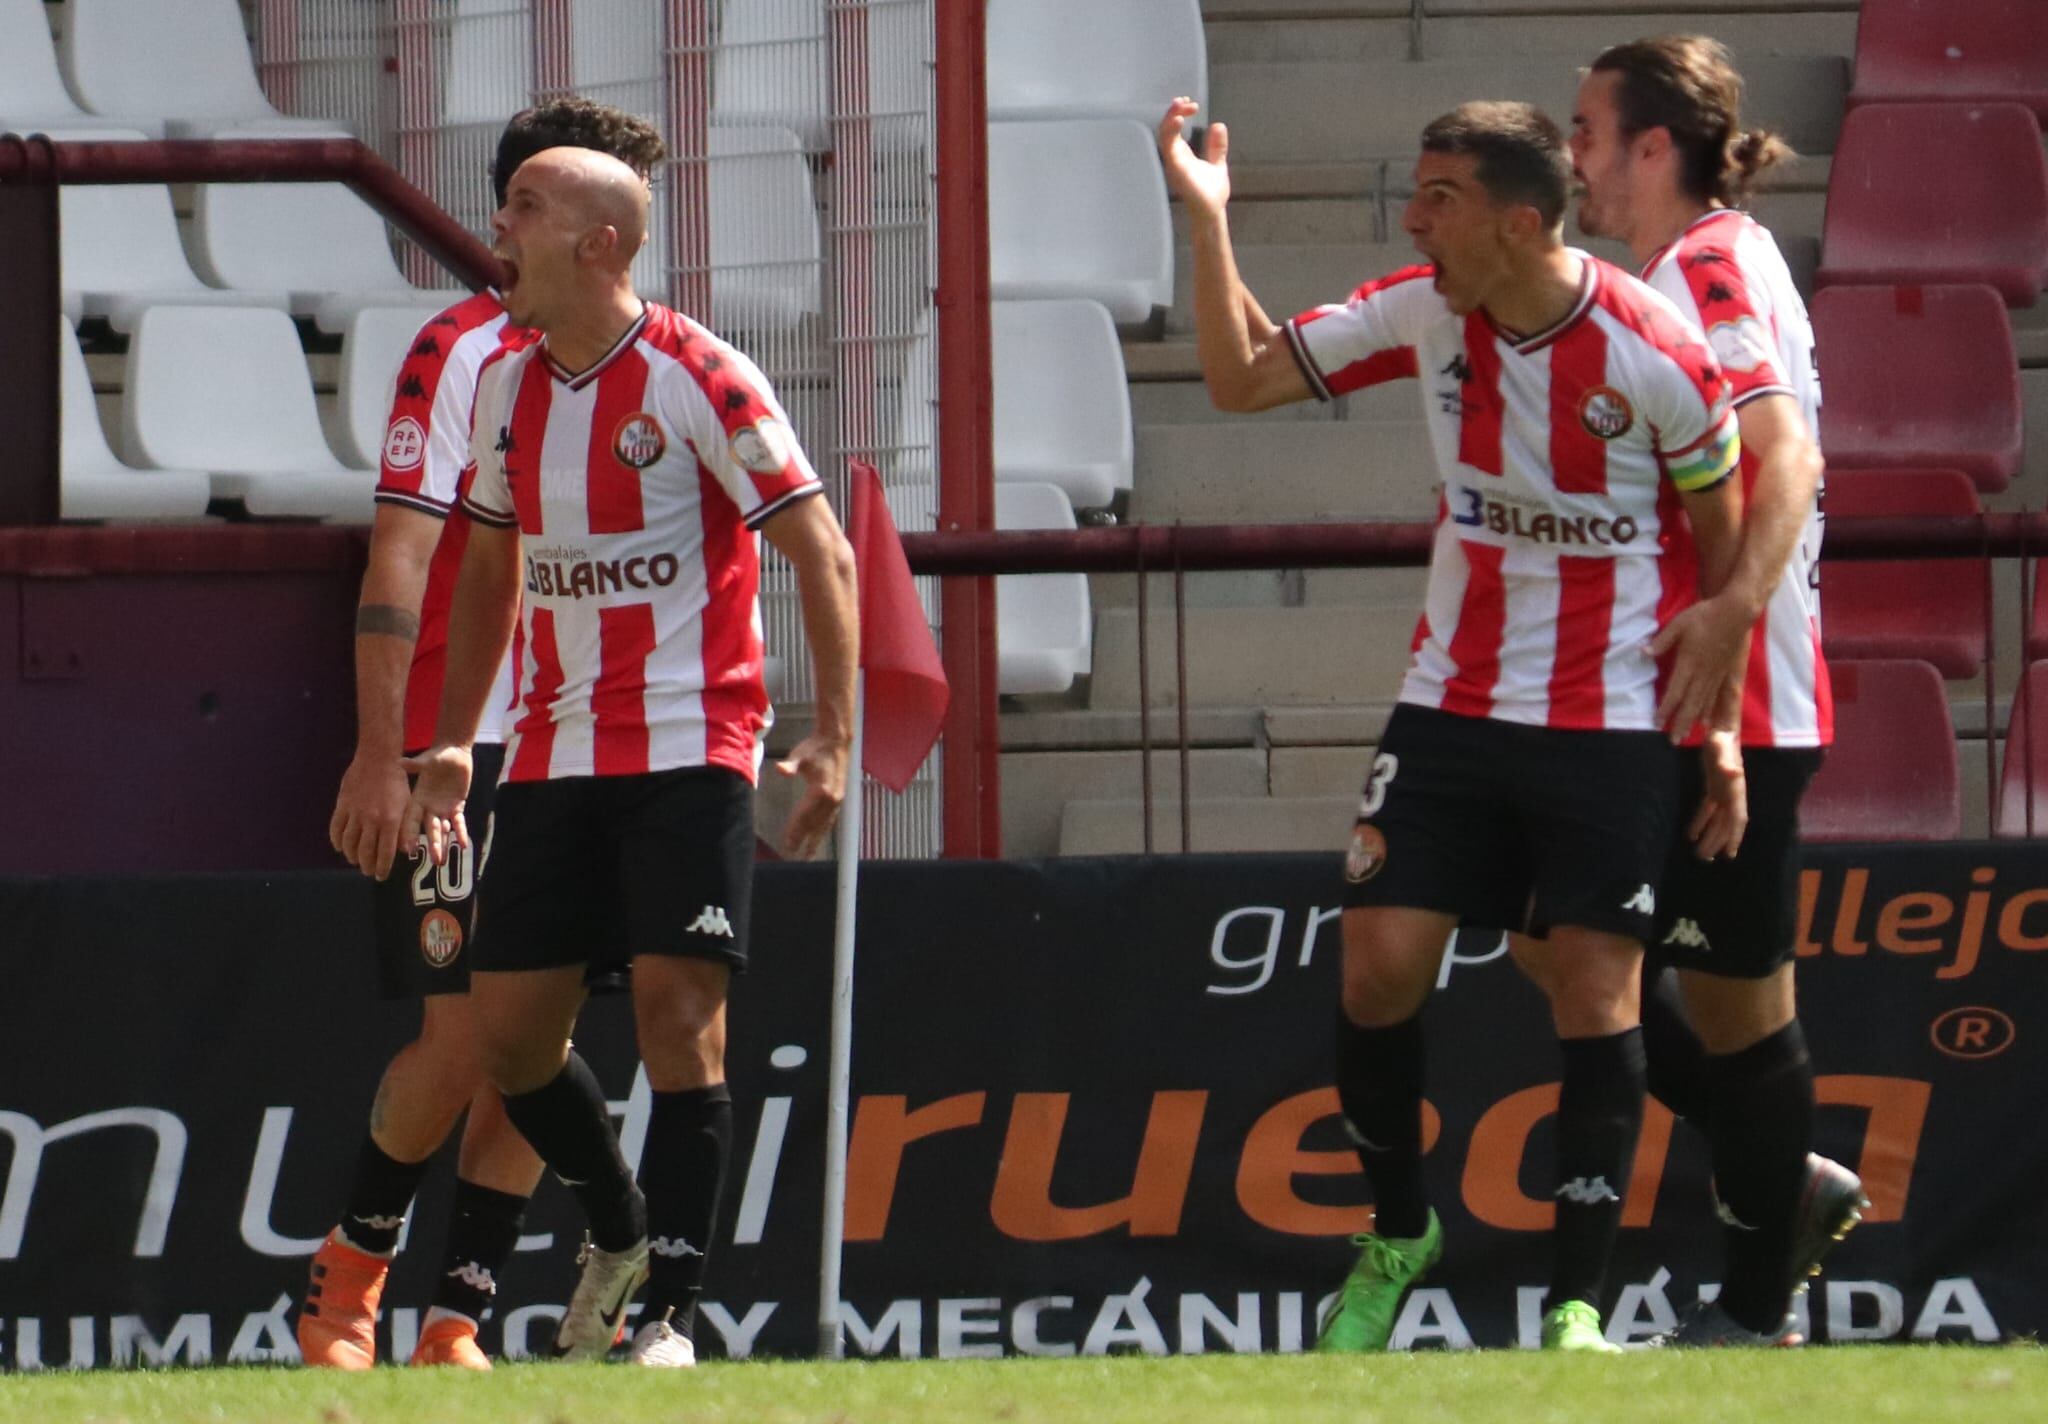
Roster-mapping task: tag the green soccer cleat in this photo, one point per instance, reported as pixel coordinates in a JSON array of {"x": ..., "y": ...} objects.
[
  {"x": 1387, "y": 1265},
  {"x": 1575, "y": 1325}
]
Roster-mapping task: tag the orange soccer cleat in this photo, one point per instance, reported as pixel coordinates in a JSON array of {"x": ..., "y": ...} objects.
[
  {"x": 338, "y": 1325},
  {"x": 450, "y": 1340}
]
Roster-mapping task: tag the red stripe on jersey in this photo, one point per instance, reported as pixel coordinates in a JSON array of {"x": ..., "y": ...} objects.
[
  {"x": 614, "y": 486},
  {"x": 618, "y": 702},
  {"x": 730, "y": 390},
  {"x": 1823, "y": 690},
  {"x": 1578, "y": 366},
  {"x": 1756, "y": 678},
  {"x": 1479, "y": 397},
  {"x": 1393, "y": 364},
  {"x": 536, "y": 726},
  {"x": 1585, "y": 618},
  {"x": 735, "y": 705},
  {"x": 1678, "y": 567},
  {"x": 1719, "y": 290},
  {"x": 529, "y": 432},
  {"x": 1475, "y": 646},
  {"x": 418, "y": 386}
]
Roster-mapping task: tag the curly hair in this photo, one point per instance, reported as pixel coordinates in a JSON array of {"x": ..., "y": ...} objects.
[{"x": 575, "y": 123}]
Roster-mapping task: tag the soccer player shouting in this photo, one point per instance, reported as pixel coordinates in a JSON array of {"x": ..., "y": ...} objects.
[
  {"x": 423, "y": 916},
  {"x": 1658, "y": 143},
  {"x": 1524, "y": 779},
  {"x": 624, "y": 461}
]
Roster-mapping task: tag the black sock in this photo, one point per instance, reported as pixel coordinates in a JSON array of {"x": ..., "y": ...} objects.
[
  {"x": 1764, "y": 1095},
  {"x": 569, "y": 1126},
  {"x": 379, "y": 1198},
  {"x": 483, "y": 1227},
  {"x": 1676, "y": 1057},
  {"x": 1379, "y": 1083},
  {"x": 682, "y": 1170},
  {"x": 1599, "y": 1115}
]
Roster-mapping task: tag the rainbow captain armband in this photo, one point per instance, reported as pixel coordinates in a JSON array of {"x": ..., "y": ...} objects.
[{"x": 1707, "y": 461}]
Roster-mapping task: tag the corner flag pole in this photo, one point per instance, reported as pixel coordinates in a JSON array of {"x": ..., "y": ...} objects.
[{"x": 831, "y": 1328}]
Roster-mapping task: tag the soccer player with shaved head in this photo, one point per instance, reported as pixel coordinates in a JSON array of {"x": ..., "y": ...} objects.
[
  {"x": 626, "y": 461},
  {"x": 423, "y": 912},
  {"x": 1525, "y": 778}
]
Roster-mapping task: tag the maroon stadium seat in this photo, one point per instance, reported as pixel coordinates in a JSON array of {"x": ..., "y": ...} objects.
[
  {"x": 2026, "y": 750},
  {"x": 2037, "y": 619},
  {"x": 1930, "y": 609},
  {"x": 1891, "y": 774},
  {"x": 1938, "y": 193},
  {"x": 1919, "y": 377},
  {"x": 1980, "y": 51}
]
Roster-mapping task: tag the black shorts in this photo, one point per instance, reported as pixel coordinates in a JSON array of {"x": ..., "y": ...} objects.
[
  {"x": 1515, "y": 827},
  {"x": 594, "y": 870},
  {"x": 1738, "y": 918},
  {"x": 426, "y": 914}
]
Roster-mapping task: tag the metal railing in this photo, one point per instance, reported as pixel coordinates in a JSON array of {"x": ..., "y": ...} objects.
[{"x": 1178, "y": 550}]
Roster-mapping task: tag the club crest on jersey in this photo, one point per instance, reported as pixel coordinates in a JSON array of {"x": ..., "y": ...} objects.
[
  {"x": 638, "y": 442},
  {"x": 440, "y": 938},
  {"x": 1367, "y": 855},
  {"x": 1606, "y": 413},
  {"x": 763, "y": 447},
  {"x": 405, "y": 444}
]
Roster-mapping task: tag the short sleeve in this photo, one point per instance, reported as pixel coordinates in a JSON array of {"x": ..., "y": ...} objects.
[
  {"x": 1706, "y": 282},
  {"x": 1697, "y": 439},
  {"x": 741, "y": 434},
  {"x": 426, "y": 435},
  {"x": 1368, "y": 339}
]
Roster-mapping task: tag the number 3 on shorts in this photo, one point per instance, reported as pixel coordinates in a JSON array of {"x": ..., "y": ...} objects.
[{"x": 1384, "y": 766}]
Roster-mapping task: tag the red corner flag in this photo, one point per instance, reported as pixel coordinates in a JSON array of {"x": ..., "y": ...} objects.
[{"x": 906, "y": 690}]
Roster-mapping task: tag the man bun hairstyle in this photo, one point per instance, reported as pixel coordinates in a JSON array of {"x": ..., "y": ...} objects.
[
  {"x": 1688, "y": 86},
  {"x": 575, "y": 123},
  {"x": 1520, "y": 154}
]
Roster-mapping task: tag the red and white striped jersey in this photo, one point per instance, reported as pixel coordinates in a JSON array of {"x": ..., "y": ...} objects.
[
  {"x": 424, "y": 466},
  {"x": 636, "y": 486},
  {"x": 1562, "y": 455},
  {"x": 1725, "y": 273}
]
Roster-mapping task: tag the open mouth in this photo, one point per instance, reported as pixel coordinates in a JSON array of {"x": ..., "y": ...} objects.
[{"x": 510, "y": 269}]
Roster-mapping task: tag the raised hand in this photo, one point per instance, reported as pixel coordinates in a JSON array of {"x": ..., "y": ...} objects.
[{"x": 1201, "y": 181}]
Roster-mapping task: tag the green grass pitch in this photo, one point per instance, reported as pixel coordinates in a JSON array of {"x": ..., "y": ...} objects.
[{"x": 1816, "y": 1386}]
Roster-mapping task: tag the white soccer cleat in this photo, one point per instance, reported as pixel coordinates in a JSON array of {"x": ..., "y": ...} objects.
[
  {"x": 590, "y": 1326},
  {"x": 661, "y": 1346}
]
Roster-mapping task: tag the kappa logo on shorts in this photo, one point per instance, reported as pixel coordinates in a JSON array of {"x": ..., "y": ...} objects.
[
  {"x": 1644, "y": 901},
  {"x": 1367, "y": 855},
  {"x": 440, "y": 938},
  {"x": 1587, "y": 1191},
  {"x": 1687, "y": 934},
  {"x": 711, "y": 920}
]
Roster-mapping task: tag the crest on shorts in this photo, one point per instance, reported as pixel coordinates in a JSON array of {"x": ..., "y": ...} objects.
[
  {"x": 1606, "y": 413},
  {"x": 763, "y": 447},
  {"x": 1367, "y": 855},
  {"x": 440, "y": 938},
  {"x": 638, "y": 442},
  {"x": 405, "y": 444}
]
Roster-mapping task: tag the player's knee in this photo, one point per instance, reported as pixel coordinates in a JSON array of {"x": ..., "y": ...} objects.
[{"x": 1378, "y": 992}]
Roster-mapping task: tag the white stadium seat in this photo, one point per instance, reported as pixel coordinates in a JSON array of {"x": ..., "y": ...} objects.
[
  {"x": 1077, "y": 208},
  {"x": 185, "y": 67},
  {"x": 32, "y": 93},
  {"x": 766, "y": 258},
  {"x": 373, "y": 347},
  {"x": 318, "y": 241},
  {"x": 1043, "y": 621},
  {"x": 1063, "y": 406},
  {"x": 96, "y": 485},
  {"x": 227, "y": 391},
  {"x": 770, "y": 68},
  {"x": 120, "y": 250},
  {"x": 1057, "y": 59}
]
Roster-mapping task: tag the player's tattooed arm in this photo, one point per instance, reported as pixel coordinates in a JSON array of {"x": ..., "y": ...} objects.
[{"x": 388, "y": 619}]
